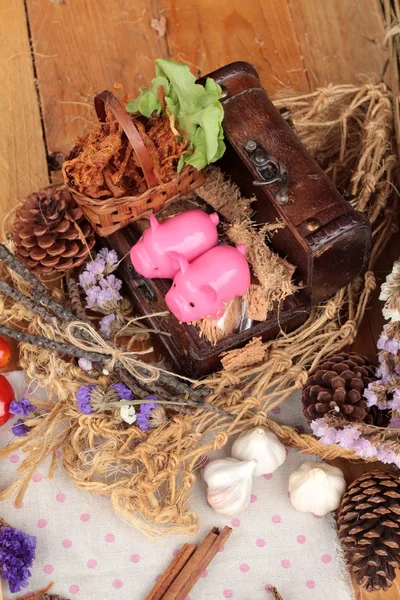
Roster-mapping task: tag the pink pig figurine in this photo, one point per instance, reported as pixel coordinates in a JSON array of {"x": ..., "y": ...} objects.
[
  {"x": 163, "y": 245},
  {"x": 201, "y": 288}
]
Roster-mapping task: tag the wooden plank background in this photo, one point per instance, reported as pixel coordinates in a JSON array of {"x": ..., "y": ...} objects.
[{"x": 56, "y": 54}]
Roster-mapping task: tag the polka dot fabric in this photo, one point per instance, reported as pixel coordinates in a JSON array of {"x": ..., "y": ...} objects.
[{"x": 89, "y": 553}]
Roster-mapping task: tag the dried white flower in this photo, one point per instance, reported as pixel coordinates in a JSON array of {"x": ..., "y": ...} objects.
[{"x": 128, "y": 413}]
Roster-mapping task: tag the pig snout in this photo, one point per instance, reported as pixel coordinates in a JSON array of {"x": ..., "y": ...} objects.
[
  {"x": 142, "y": 261},
  {"x": 191, "y": 307}
]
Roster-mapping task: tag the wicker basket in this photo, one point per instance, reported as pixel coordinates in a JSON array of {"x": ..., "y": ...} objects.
[{"x": 107, "y": 216}]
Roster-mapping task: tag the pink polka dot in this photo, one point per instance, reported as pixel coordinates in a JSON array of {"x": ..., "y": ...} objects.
[
  {"x": 66, "y": 543},
  {"x": 276, "y": 410},
  {"x": 85, "y": 517},
  {"x": 176, "y": 551},
  {"x": 316, "y": 516},
  {"x": 228, "y": 593},
  {"x": 14, "y": 458},
  {"x": 58, "y": 453},
  {"x": 187, "y": 598},
  {"x": 118, "y": 584},
  {"x": 61, "y": 498},
  {"x": 253, "y": 498},
  {"x": 276, "y": 519},
  {"x": 268, "y": 587},
  {"x": 326, "y": 559},
  {"x": 92, "y": 563},
  {"x": 204, "y": 574},
  {"x": 235, "y": 522},
  {"x": 221, "y": 549},
  {"x": 158, "y": 577},
  {"x": 301, "y": 539},
  {"x": 268, "y": 475},
  {"x": 285, "y": 563},
  {"x": 135, "y": 558},
  {"x": 110, "y": 537},
  {"x": 48, "y": 569},
  {"x": 37, "y": 477},
  {"x": 244, "y": 568},
  {"x": 42, "y": 523},
  {"x": 74, "y": 589},
  {"x": 260, "y": 542},
  {"x": 310, "y": 583}
]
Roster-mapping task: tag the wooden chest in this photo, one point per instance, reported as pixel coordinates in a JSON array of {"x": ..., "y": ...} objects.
[{"x": 325, "y": 238}]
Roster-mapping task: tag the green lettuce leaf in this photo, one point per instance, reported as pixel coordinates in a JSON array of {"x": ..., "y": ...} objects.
[{"x": 197, "y": 108}]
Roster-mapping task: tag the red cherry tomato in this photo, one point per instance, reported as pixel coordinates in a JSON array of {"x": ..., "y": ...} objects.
[
  {"x": 6, "y": 397},
  {"x": 5, "y": 353}
]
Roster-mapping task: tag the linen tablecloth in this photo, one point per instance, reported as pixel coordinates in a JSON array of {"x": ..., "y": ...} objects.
[{"x": 90, "y": 554}]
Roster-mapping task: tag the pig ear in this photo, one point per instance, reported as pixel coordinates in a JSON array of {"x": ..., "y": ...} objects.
[
  {"x": 178, "y": 261},
  {"x": 210, "y": 293},
  {"x": 154, "y": 224}
]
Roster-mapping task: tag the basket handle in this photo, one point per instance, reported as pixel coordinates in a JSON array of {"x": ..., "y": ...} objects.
[{"x": 106, "y": 98}]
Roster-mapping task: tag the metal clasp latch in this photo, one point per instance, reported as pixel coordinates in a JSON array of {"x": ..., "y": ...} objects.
[{"x": 269, "y": 170}]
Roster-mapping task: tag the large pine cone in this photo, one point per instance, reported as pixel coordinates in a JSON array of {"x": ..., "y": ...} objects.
[
  {"x": 369, "y": 528},
  {"x": 51, "y": 233},
  {"x": 336, "y": 386}
]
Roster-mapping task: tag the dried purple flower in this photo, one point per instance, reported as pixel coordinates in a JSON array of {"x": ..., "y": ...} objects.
[
  {"x": 381, "y": 343},
  {"x": 83, "y": 398},
  {"x": 364, "y": 448},
  {"x": 393, "y": 346},
  {"x": 110, "y": 257},
  {"x": 110, "y": 282},
  {"x": 370, "y": 395},
  {"x": 385, "y": 454},
  {"x": 107, "y": 298},
  {"x": 96, "y": 267},
  {"x": 17, "y": 551},
  {"x": 22, "y": 407},
  {"x": 105, "y": 324},
  {"x": 19, "y": 429},
  {"x": 92, "y": 295},
  {"x": 143, "y": 418},
  {"x": 319, "y": 427},
  {"x": 123, "y": 392},
  {"x": 329, "y": 437},
  {"x": 86, "y": 280},
  {"x": 85, "y": 364},
  {"x": 347, "y": 436}
]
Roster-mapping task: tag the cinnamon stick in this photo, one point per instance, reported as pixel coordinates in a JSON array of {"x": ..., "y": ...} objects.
[
  {"x": 198, "y": 563},
  {"x": 172, "y": 572}
]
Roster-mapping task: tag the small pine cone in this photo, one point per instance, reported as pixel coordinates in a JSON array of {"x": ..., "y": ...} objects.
[
  {"x": 369, "y": 528},
  {"x": 51, "y": 233},
  {"x": 336, "y": 386}
]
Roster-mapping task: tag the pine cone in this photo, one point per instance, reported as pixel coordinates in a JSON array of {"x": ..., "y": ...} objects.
[
  {"x": 48, "y": 231},
  {"x": 336, "y": 386},
  {"x": 369, "y": 528}
]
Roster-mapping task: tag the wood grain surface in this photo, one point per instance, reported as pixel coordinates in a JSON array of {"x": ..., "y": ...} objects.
[
  {"x": 22, "y": 155},
  {"x": 56, "y": 54}
]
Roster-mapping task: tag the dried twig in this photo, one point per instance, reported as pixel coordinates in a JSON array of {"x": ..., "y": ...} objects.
[
  {"x": 18, "y": 296},
  {"x": 38, "y": 289}
]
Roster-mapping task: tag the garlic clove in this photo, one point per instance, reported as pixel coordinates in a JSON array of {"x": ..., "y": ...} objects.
[
  {"x": 316, "y": 488},
  {"x": 261, "y": 445},
  {"x": 229, "y": 485}
]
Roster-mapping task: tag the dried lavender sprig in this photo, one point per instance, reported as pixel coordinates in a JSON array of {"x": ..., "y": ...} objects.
[{"x": 42, "y": 342}]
